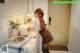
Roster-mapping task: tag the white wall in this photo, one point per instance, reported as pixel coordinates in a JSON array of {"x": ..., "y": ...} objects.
[
  {"x": 74, "y": 35},
  {"x": 3, "y": 24},
  {"x": 16, "y": 8}
]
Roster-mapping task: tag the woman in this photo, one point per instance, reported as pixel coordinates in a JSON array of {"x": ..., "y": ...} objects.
[{"x": 41, "y": 28}]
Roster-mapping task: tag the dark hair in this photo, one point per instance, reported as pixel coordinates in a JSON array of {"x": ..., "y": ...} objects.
[{"x": 39, "y": 11}]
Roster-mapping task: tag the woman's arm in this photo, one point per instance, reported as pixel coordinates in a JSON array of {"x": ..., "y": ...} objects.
[
  {"x": 31, "y": 28},
  {"x": 42, "y": 24}
]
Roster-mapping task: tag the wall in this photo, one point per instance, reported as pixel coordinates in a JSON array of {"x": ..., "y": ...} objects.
[
  {"x": 60, "y": 23},
  {"x": 74, "y": 34},
  {"x": 16, "y": 8},
  {"x": 3, "y": 25}
]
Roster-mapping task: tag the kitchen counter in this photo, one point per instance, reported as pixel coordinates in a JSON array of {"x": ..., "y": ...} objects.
[{"x": 31, "y": 44}]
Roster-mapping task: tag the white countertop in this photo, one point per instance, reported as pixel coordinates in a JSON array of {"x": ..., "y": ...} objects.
[{"x": 29, "y": 45}]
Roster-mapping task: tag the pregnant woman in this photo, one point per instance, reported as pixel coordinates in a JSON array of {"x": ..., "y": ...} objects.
[{"x": 41, "y": 28}]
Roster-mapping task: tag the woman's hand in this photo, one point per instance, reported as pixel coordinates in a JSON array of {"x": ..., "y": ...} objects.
[{"x": 31, "y": 29}]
